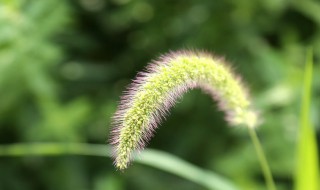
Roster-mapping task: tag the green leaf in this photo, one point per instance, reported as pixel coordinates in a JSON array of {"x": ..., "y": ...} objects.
[
  {"x": 307, "y": 173},
  {"x": 175, "y": 165},
  {"x": 153, "y": 158}
]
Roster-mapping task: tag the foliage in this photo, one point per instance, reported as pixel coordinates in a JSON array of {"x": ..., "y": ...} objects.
[{"x": 64, "y": 64}]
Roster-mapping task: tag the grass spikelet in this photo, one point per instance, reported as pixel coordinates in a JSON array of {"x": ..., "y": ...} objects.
[{"x": 153, "y": 92}]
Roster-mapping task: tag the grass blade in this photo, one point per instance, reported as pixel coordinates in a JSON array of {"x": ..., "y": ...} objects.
[
  {"x": 307, "y": 173},
  {"x": 153, "y": 158}
]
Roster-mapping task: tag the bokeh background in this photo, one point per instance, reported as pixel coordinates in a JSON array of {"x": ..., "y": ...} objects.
[{"x": 64, "y": 65}]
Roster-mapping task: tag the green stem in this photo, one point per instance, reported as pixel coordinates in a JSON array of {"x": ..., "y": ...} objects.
[{"x": 262, "y": 159}]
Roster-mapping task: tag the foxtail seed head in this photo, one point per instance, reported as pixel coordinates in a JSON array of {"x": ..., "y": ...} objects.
[{"x": 153, "y": 92}]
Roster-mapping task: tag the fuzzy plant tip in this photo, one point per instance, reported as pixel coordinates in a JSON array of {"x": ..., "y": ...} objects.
[{"x": 153, "y": 92}]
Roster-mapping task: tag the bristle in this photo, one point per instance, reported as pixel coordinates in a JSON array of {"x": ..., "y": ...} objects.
[{"x": 147, "y": 101}]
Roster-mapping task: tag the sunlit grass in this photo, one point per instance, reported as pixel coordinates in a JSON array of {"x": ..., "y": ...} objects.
[{"x": 307, "y": 171}]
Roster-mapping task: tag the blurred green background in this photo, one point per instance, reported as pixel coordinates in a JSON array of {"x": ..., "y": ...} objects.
[{"x": 64, "y": 65}]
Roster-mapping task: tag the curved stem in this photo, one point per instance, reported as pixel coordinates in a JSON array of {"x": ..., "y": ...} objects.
[{"x": 262, "y": 159}]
